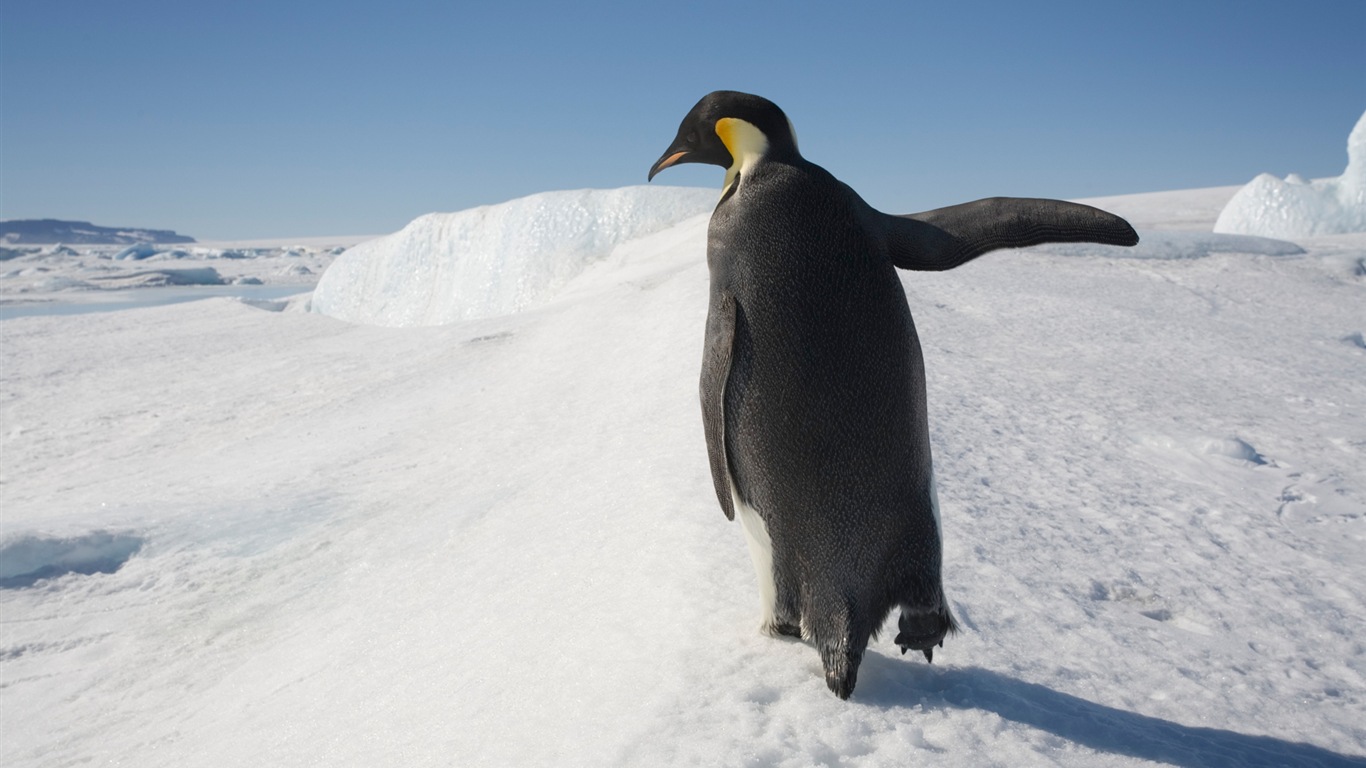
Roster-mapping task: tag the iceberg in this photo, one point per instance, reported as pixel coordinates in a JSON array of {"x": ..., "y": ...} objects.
[{"x": 1295, "y": 207}]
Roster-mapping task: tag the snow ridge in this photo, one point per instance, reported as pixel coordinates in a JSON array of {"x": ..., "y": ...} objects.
[{"x": 495, "y": 259}]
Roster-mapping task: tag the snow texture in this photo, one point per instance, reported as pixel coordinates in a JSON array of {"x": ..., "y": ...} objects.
[
  {"x": 1297, "y": 208},
  {"x": 38, "y": 275},
  {"x": 1180, "y": 245},
  {"x": 246, "y": 537},
  {"x": 495, "y": 259}
]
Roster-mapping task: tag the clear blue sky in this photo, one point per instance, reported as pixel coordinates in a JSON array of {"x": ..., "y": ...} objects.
[{"x": 279, "y": 118}]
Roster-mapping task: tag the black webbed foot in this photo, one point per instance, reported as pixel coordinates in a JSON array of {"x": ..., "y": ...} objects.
[{"x": 922, "y": 631}]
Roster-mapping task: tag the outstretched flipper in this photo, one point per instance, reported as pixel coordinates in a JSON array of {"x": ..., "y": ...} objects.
[
  {"x": 948, "y": 237},
  {"x": 716, "y": 356}
]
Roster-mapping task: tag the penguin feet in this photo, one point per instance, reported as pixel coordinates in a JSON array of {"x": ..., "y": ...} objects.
[
  {"x": 923, "y": 630},
  {"x": 786, "y": 619},
  {"x": 780, "y": 628}
]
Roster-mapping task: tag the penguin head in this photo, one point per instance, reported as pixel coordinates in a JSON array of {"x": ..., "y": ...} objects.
[{"x": 730, "y": 129}]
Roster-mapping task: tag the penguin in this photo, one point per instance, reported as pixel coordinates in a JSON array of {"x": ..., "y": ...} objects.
[{"x": 813, "y": 382}]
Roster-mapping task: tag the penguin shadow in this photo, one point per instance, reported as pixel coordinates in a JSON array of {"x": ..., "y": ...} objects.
[{"x": 890, "y": 683}]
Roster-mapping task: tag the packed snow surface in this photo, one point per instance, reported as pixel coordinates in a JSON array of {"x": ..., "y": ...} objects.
[
  {"x": 239, "y": 537},
  {"x": 1296, "y": 207},
  {"x": 495, "y": 259}
]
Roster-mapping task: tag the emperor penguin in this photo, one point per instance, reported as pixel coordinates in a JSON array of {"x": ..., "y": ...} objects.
[{"x": 813, "y": 384}]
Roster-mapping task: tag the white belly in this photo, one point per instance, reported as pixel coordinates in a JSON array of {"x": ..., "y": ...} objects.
[{"x": 761, "y": 552}]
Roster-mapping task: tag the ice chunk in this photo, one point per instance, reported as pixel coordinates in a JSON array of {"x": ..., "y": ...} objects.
[
  {"x": 495, "y": 259},
  {"x": 136, "y": 252},
  {"x": 1294, "y": 207},
  {"x": 152, "y": 278}
]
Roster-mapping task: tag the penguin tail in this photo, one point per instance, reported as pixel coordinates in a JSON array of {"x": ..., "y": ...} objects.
[{"x": 923, "y": 630}]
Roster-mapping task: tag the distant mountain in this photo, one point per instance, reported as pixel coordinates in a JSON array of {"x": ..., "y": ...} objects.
[{"x": 43, "y": 231}]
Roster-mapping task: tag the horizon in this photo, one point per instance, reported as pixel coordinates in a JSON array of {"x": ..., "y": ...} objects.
[{"x": 262, "y": 121}]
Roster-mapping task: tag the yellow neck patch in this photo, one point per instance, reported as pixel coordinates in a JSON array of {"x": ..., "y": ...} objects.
[{"x": 746, "y": 144}]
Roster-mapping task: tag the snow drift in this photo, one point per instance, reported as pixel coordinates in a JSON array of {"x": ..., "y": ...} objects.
[
  {"x": 1295, "y": 207},
  {"x": 495, "y": 259}
]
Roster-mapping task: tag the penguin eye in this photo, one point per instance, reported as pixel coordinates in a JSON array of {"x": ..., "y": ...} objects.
[{"x": 692, "y": 137}]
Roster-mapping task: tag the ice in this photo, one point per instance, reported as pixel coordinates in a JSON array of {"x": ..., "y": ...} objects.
[
  {"x": 148, "y": 278},
  {"x": 61, "y": 273},
  {"x": 496, "y": 259},
  {"x": 495, "y": 542},
  {"x": 1296, "y": 208},
  {"x": 136, "y": 252},
  {"x": 27, "y": 559}
]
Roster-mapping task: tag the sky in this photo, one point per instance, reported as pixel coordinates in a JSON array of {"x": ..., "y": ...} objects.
[{"x": 278, "y": 119}]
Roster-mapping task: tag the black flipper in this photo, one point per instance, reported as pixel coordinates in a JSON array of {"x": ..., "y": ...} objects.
[
  {"x": 716, "y": 356},
  {"x": 948, "y": 237}
]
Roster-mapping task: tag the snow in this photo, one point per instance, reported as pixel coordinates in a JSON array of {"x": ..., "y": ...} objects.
[
  {"x": 1182, "y": 210},
  {"x": 1181, "y": 245},
  {"x": 34, "y": 276},
  {"x": 242, "y": 537},
  {"x": 1296, "y": 207},
  {"x": 495, "y": 259}
]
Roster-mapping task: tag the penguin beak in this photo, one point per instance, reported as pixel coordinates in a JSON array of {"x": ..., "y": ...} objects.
[{"x": 671, "y": 156}]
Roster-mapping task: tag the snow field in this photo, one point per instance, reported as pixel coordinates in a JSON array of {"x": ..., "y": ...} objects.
[{"x": 494, "y": 542}]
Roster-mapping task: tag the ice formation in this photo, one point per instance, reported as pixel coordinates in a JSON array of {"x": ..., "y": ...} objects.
[
  {"x": 495, "y": 259},
  {"x": 26, "y": 558},
  {"x": 1294, "y": 207},
  {"x": 136, "y": 252}
]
